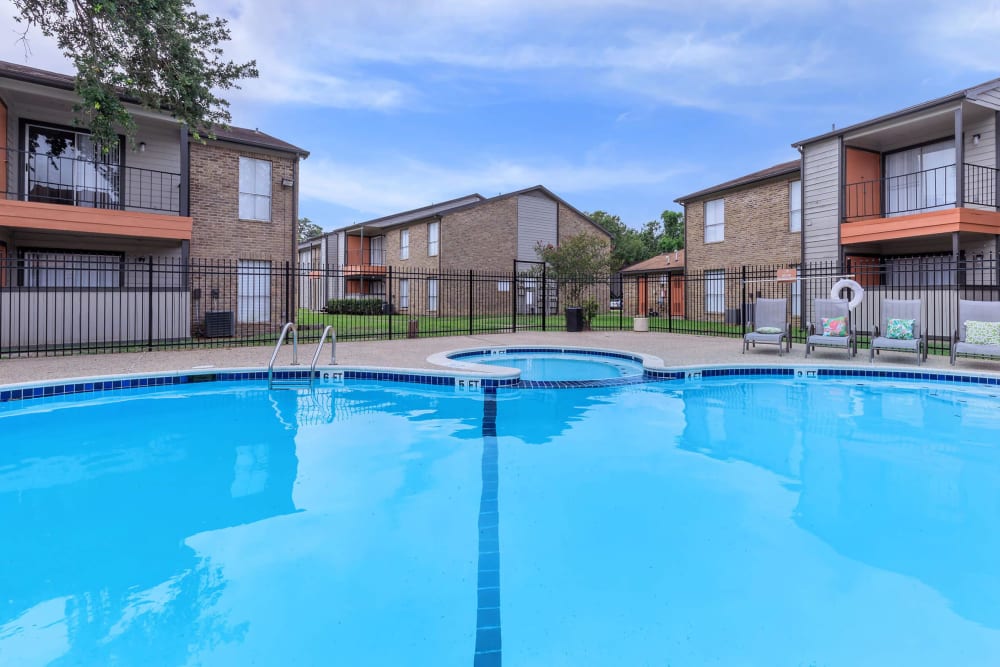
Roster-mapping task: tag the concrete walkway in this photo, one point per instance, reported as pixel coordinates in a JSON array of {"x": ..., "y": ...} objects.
[{"x": 676, "y": 350}]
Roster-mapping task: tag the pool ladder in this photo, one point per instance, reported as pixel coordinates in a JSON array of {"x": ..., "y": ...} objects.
[{"x": 308, "y": 379}]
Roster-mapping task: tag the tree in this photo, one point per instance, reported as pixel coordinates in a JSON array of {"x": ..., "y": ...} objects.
[
  {"x": 308, "y": 229},
  {"x": 160, "y": 54},
  {"x": 576, "y": 263},
  {"x": 673, "y": 231}
]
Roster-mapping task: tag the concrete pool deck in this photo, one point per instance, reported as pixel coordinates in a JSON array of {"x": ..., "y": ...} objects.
[{"x": 676, "y": 350}]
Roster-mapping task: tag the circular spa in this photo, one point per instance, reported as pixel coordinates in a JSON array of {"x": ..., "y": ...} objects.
[
  {"x": 725, "y": 517},
  {"x": 557, "y": 364}
]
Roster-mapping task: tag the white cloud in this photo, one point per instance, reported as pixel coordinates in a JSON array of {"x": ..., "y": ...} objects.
[
  {"x": 409, "y": 183},
  {"x": 963, "y": 34}
]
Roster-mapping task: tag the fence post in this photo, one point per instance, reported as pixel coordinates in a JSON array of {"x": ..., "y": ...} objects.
[
  {"x": 288, "y": 292},
  {"x": 743, "y": 309},
  {"x": 388, "y": 292},
  {"x": 670, "y": 303},
  {"x": 545, "y": 297},
  {"x": 513, "y": 299},
  {"x": 149, "y": 318},
  {"x": 471, "y": 302}
]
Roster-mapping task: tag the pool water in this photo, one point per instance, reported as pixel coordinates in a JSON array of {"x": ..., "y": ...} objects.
[
  {"x": 558, "y": 366},
  {"x": 758, "y": 522}
]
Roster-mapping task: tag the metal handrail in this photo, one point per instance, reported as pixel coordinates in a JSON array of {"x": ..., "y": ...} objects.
[
  {"x": 277, "y": 348},
  {"x": 319, "y": 348}
]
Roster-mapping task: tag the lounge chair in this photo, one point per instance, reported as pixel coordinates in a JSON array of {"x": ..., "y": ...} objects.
[
  {"x": 978, "y": 331},
  {"x": 900, "y": 329},
  {"x": 833, "y": 331},
  {"x": 770, "y": 325}
]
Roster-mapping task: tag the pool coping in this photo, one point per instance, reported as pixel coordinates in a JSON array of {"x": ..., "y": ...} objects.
[{"x": 467, "y": 376}]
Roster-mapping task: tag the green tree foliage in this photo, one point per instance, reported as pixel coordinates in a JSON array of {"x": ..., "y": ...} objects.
[
  {"x": 576, "y": 263},
  {"x": 308, "y": 229},
  {"x": 160, "y": 54},
  {"x": 672, "y": 237},
  {"x": 629, "y": 246}
]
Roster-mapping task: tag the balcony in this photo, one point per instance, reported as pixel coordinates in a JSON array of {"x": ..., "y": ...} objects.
[
  {"x": 67, "y": 193},
  {"x": 368, "y": 264},
  {"x": 922, "y": 203}
]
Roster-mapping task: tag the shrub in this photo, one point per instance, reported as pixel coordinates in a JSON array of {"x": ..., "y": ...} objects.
[{"x": 368, "y": 306}]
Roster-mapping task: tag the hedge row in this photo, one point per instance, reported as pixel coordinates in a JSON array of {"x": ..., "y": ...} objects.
[{"x": 354, "y": 306}]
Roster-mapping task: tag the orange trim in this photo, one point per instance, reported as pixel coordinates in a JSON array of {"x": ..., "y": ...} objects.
[
  {"x": 364, "y": 269},
  {"x": 930, "y": 223},
  {"x": 81, "y": 220}
]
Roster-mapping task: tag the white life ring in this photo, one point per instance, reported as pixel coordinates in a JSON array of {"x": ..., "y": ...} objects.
[{"x": 858, "y": 290}]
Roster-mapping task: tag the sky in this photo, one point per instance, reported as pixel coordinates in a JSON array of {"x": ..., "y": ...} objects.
[{"x": 614, "y": 105}]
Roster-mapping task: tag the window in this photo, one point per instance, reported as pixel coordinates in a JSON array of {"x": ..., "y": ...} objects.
[
  {"x": 404, "y": 293},
  {"x": 255, "y": 189},
  {"x": 55, "y": 268},
  {"x": 795, "y": 206},
  {"x": 715, "y": 221},
  {"x": 925, "y": 271},
  {"x": 376, "y": 253},
  {"x": 715, "y": 291},
  {"x": 919, "y": 179},
  {"x": 404, "y": 244},
  {"x": 253, "y": 290},
  {"x": 433, "y": 230},
  {"x": 432, "y": 294}
]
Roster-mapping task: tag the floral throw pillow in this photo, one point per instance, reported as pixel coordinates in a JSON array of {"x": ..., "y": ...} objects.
[
  {"x": 982, "y": 333},
  {"x": 768, "y": 330},
  {"x": 899, "y": 329},
  {"x": 834, "y": 326}
]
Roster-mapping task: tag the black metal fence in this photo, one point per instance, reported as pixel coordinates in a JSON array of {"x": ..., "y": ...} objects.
[{"x": 54, "y": 302}]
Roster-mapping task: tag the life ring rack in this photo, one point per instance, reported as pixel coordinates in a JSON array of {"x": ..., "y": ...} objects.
[{"x": 857, "y": 290}]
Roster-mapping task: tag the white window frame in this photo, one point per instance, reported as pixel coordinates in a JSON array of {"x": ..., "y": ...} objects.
[
  {"x": 404, "y": 244},
  {"x": 715, "y": 220},
  {"x": 404, "y": 293},
  {"x": 255, "y": 189},
  {"x": 715, "y": 291},
  {"x": 432, "y": 294},
  {"x": 433, "y": 238},
  {"x": 795, "y": 206}
]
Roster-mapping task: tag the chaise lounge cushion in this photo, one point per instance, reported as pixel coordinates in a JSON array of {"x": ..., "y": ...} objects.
[{"x": 768, "y": 330}]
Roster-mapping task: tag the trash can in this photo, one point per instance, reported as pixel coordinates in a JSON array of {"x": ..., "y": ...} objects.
[
  {"x": 574, "y": 319},
  {"x": 413, "y": 329}
]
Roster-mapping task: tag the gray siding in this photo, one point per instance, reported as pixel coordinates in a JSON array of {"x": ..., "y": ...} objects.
[
  {"x": 821, "y": 200},
  {"x": 536, "y": 222},
  {"x": 981, "y": 153}
]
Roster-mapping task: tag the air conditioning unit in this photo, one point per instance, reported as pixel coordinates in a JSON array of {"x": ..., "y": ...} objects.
[{"x": 219, "y": 323}]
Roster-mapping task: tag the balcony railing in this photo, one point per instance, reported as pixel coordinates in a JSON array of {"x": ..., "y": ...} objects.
[
  {"x": 74, "y": 181},
  {"x": 926, "y": 190},
  {"x": 373, "y": 257}
]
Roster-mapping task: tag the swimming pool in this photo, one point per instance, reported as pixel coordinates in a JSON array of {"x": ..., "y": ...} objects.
[
  {"x": 729, "y": 520},
  {"x": 551, "y": 364}
]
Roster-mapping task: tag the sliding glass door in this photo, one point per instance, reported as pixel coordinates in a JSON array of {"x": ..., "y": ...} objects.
[
  {"x": 920, "y": 179},
  {"x": 66, "y": 167}
]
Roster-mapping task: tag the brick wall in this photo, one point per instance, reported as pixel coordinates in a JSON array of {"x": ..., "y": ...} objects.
[
  {"x": 419, "y": 260},
  {"x": 217, "y": 231},
  {"x": 482, "y": 238},
  {"x": 756, "y": 230},
  {"x": 219, "y": 235}
]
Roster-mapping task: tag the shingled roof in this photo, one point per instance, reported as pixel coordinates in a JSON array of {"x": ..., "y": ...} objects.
[{"x": 771, "y": 172}]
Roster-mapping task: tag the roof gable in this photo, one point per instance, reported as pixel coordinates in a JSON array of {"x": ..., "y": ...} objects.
[{"x": 783, "y": 169}]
